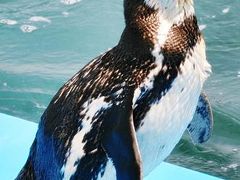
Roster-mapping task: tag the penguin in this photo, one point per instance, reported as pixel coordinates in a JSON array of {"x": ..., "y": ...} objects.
[{"x": 124, "y": 112}]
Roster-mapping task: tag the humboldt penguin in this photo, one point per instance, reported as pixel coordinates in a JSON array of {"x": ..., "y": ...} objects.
[{"x": 124, "y": 112}]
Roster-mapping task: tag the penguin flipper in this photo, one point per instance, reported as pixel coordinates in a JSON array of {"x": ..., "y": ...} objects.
[
  {"x": 200, "y": 128},
  {"x": 120, "y": 142}
]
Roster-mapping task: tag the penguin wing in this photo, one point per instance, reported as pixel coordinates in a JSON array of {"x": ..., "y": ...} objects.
[
  {"x": 120, "y": 142},
  {"x": 200, "y": 128}
]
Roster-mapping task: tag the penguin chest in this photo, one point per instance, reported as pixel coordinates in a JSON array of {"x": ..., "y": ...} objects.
[{"x": 167, "y": 119}]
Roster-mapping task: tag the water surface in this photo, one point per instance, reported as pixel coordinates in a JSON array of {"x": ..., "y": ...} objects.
[{"x": 43, "y": 43}]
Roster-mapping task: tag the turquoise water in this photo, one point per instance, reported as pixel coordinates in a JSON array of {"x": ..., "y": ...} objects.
[{"x": 43, "y": 43}]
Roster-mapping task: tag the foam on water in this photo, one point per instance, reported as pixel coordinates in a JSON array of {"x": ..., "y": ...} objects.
[
  {"x": 8, "y": 21},
  {"x": 202, "y": 27},
  {"x": 226, "y": 10},
  {"x": 28, "y": 28},
  {"x": 230, "y": 167},
  {"x": 40, "y": 106},
  {"x": 65, "y": 14},
  {"x": 70, "y": 2},
  {"x": 39, "y": 19}
]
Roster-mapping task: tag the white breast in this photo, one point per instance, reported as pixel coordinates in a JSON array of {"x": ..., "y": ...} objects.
[{"x": 166, "y": 121}]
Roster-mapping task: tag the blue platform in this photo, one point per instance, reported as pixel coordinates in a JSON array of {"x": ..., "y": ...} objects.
[{"x": 16, "y": 137}]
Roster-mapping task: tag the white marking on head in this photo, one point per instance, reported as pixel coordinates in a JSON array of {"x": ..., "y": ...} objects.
[{"x": 76, "y": 151}]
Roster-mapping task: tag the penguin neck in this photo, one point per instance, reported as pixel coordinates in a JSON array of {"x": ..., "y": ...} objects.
[
  {"x": 149, "y": 21},
  {"x": 170, "y": 6},
  {"x": 174, "y": 11}
]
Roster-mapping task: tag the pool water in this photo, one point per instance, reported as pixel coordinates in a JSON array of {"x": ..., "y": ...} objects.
[{"x": 43, "y": 43}]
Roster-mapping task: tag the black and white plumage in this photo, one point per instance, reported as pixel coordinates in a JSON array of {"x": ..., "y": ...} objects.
[{"x": 125, "y": 111}]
